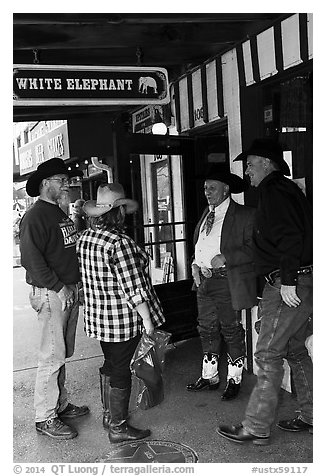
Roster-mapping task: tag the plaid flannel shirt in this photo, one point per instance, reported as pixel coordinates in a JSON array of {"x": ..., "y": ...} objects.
[{"x": 115, "y": 279}]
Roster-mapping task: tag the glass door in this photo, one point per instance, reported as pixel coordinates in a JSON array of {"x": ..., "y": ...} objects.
[{"x": 163, "y": 214}]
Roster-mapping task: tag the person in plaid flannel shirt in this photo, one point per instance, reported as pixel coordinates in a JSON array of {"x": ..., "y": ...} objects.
[{"x": 119, "y": 301}]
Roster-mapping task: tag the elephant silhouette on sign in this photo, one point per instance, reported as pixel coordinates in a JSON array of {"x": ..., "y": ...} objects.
[{"x": 147, "y": 82}]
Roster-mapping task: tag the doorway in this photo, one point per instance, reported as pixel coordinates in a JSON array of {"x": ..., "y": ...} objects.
[{"x": 163, "y": 217}]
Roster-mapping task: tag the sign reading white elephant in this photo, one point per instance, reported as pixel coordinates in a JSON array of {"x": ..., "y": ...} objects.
[{"x": 89, "y": 85}]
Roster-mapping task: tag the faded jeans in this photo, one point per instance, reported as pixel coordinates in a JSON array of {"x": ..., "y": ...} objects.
[
  {"x": 216, "y": 316},
  {"x": 57, "y": 342},
  {"x": 282, "y": 335}
]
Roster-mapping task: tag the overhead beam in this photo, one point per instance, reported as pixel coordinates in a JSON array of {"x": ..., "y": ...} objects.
[
  {"x": 157, "y": 56},
  {"x": 44, "y": 113},
  {"x": 129, "y": 18},
  {"x": 118, "y": 36}
]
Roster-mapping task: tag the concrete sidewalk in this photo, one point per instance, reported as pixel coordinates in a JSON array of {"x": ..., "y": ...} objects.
[{"x": 183, "y": 417}]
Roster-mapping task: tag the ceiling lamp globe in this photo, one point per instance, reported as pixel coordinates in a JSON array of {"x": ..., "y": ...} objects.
[{"x": 159, "y": 128}]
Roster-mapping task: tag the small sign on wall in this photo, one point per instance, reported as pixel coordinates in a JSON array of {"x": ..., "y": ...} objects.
[{"x": 268, "y": 114}]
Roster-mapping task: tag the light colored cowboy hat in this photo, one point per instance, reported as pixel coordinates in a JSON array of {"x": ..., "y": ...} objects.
[
  {"x": 45, "y": 170},
  {"x": 110, "y": 195}
]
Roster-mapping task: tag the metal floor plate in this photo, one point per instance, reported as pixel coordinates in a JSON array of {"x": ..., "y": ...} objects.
[{"x": 150, "y": 451}]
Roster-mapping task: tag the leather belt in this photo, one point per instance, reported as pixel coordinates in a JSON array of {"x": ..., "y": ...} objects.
[
  {"x": 271, "y": 277},
  {"x": 213, "y": 272}
]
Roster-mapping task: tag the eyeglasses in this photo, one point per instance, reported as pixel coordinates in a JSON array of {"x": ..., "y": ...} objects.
[{"x": 62, "y": 180}]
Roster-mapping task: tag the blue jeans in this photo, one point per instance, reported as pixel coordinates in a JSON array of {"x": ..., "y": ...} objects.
[
  {"x": 216, "y": 316},
  {"x": 57, "y": 342},
  {"x": 282, "y": 335}
]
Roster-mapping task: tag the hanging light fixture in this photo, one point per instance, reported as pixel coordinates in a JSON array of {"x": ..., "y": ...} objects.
[{"x": 159, "y": 127}]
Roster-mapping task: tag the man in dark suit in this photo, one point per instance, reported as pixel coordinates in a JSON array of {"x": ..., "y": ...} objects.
[{"x": 224, "y": 278}]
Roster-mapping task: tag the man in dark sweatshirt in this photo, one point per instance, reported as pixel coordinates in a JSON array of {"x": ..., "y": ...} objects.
[{"x": 48, "y": 253}]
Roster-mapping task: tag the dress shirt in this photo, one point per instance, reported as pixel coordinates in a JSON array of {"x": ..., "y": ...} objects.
[{"x": 209, "y": 245}]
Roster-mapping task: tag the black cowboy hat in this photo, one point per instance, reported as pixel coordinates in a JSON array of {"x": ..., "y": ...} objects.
[
  {"x": 269, "y": 149},
  {"x": 221, "y": 173},
  {"x": 47, "y": 169}
]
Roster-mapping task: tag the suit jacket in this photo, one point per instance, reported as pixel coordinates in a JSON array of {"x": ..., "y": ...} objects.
[{"x": 237, "y": 247}]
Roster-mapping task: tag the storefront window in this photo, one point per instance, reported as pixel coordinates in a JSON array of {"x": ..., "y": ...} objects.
[{"x": 289, "y": 120}]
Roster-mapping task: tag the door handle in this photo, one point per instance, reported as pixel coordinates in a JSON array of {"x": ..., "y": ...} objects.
[{"x": 151, "y": 253}]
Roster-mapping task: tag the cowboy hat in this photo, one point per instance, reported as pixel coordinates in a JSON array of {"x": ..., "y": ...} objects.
[
  {"x": 269, "y": 149},
  {"x": 109, "y": 196},
  {"x": 47, "y": 169},
  {"x": 221, "y": 173}
]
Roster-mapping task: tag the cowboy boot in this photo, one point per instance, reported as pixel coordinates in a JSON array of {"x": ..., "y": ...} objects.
[
  {"x": 119, "y": 429},
  {"x": 234, "y": 378},
  {"x": 210, "y": 378},
  {"x": 105, "y": 392}
]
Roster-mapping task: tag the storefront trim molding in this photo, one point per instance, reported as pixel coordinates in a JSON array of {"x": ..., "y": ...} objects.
[{"x": 284, "y": 45}]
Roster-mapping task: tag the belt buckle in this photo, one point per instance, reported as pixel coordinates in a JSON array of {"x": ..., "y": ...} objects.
[{"x": 206, "y": 272}]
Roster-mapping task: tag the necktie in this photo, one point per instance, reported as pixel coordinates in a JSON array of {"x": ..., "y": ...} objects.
[{"x": 209, "y": 222}]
